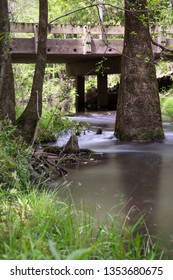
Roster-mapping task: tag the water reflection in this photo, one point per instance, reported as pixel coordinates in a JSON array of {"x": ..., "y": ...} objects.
[
  {"x": 129, "y": 174},
  {"x": 140, "y": 181}
]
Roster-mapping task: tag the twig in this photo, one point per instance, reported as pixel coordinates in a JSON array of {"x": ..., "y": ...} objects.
[{"x": 160, "y": 46}]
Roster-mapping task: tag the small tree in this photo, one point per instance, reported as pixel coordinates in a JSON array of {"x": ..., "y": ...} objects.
[
  {"x": 29, "y": 120},
  {"x": 7, "y": 93},
  {"x": 138, "y": 111}
]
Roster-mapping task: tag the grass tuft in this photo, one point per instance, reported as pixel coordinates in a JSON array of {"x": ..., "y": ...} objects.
[{"x": 39, "y": 226}]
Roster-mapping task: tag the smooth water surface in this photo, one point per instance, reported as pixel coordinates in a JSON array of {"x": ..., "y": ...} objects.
[{"x": 134, "y": 175}]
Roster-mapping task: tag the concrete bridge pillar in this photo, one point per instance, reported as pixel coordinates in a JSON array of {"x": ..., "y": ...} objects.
[
  {"x": 102, "y": 92},
  {"x": 80, "y": 94}
]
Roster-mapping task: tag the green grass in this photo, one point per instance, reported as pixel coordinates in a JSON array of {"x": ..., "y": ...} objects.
[{"x": 39, "y": 226}]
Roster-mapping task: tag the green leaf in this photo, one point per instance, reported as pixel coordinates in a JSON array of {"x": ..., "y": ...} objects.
[
  {"x": 53, "y": 250},
  {"x": 79, "y": 254}
]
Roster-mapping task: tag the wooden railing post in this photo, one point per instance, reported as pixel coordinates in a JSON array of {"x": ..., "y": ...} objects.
[
  {"x": 36, "y": 37},
  {"x": 86, "y": 39}
]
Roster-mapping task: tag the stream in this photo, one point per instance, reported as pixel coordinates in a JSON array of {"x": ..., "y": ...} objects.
[{"x": 135, "y": 177}]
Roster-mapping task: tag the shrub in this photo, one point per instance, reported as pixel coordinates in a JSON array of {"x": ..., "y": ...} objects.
[
  {"x": 14, "y": 161},
  {"x": 54, "y": 123}
]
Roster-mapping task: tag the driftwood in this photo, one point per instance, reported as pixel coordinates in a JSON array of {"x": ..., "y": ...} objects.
[
  {"x": 54, "y": 159},
  {"x": 47, "y": 162}
]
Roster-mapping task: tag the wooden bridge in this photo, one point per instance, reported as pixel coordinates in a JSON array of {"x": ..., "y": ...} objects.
[{"x": 81, "y": 48}]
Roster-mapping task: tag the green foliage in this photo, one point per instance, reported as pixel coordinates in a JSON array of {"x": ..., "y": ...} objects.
[
  {"x": 91, "y": 82},
  {"x": 57, "y": 87},
  {"x": 24, "y": 10},
  {"x": 167, "y": 107},
  {"x": 39, "y": 226},
  {"x": 54, "y": 123},
  {"x": 162, "y": 67},
  {"x": 14, "y": 158},
  {"x": 160, "y": 12},
  {"x": 23, "y": 78},
  {"x": 27, "y": 11}
]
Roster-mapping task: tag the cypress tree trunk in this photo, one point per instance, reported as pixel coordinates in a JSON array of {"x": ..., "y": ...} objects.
[
  {"x": 29, "y": 120},
  {"x": 138, "y": 110},
  {"x": 7, "y": 93}
]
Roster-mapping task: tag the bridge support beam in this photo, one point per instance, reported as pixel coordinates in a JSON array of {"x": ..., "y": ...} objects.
[
  {"x": 80, "y": 94},
  {"x": 102, "y": 92}
]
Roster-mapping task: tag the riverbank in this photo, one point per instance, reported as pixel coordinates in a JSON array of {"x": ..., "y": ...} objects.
[{"x": 36, "y": 224}]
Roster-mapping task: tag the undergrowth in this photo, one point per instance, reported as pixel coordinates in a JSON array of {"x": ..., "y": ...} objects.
[
  {"x": 14, "y": 161},
  {"x": 166, "y": 100},
  {"x": 54, "y": 123},
  {"x": 39, "y": 226}
]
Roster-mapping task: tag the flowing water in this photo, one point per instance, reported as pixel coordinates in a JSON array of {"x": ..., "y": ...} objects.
[{"x": 137, "y": 176}]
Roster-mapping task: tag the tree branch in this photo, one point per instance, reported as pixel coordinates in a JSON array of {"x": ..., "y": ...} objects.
[
  {"x": 97, "y": 5},
  {"x": 161, "y": 46}
]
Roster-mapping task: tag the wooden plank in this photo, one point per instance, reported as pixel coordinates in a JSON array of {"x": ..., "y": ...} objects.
[
  {"x": 78, "y": 29},
  {"x": 22, "y": 46},
  {"x": 16, "y": 27},
  {"x": 111, "y": 47},
  {"x": 108, "y": 29},
  {"x": 65, "y": 46},
  {"x": 70, "y": 47},
  {"x": 54, "y": 46},
  {"x": 65, "y": 29}
]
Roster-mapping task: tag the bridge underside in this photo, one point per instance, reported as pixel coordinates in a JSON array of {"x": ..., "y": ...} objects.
[{"x": 81, "y": 60}]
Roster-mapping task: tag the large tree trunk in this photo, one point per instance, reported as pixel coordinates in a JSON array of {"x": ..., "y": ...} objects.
[
  {"x": 29, "y": 120},
  {"x": 7, "y": 93},
  {"x": 138, "y": 111}
]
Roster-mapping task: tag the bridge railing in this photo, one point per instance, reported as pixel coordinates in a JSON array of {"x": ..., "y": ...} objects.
[
  {"x": 67, "y": 29},
  {"x": 86, "y": 33},
  {"x": 94, "y": 38}
]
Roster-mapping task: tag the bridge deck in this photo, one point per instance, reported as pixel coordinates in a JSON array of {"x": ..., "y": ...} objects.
[{"x": 64, "y": 50}]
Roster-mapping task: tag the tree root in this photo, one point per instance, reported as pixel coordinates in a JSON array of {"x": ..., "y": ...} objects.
[{"x": 53, "y": 160}]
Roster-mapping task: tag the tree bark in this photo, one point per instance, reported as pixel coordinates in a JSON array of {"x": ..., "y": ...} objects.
[
  {"x": 7, "y": 92},
  {"x": 29, "y": 120},
  {"x": 138, "y": 110}
]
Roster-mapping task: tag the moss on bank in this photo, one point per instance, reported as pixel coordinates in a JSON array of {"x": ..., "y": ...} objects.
[{"x": 147, "y": 136}]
